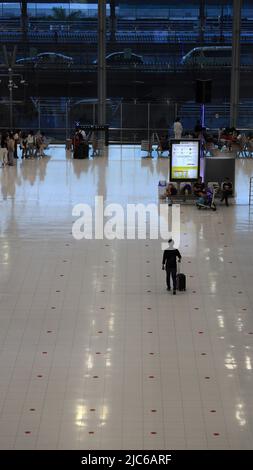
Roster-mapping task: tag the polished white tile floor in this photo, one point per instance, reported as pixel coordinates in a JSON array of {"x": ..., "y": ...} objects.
[{"x": 95, "y": 353}]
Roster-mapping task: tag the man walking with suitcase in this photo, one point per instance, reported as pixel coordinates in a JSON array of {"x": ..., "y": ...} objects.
[{"x": 170, "y": 264}]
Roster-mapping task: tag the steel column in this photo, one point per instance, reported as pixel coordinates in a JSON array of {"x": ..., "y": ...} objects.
[
  {"x": 11, "y": 97},
  {"x": 236, "y": 60},
  {"x": 202, "y": 21},
  {"x": 101, "y": 62}
]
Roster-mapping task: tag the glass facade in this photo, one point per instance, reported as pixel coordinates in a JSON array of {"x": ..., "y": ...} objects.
[{"x": 155, "y": 52}]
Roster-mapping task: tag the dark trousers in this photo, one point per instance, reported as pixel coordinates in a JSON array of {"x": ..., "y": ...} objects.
[
  {"x": 16, "y": 150},
  {"x": 225, "y": 195},
  {"x": 173, "y": 273}
]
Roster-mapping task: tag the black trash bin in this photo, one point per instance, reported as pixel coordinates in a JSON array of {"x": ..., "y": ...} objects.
[{"x": 82, "y": 151}]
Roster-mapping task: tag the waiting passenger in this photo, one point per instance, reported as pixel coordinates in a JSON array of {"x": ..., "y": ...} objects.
[
  {"x": 186, "y": 189},
  {"x": 16, "y": 141},
  {"x": 227, "y": 190},
  {"x": 3, "y": 150},
  {"x": 94, "y": 143},
  {"x": 11, "y": 148},
  {"x": 171, "y": 190},
  {"x": 23, "y": 145},
  {"x": 199, "y": 188},
  {"x": 38, "y": 145},
  {"x": 178, "y": 128},
  {"x": 30, "y": 144}
]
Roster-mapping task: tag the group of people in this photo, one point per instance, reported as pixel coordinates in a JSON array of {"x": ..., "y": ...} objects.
[
  {"x": 198, "y": 133},
  {"x": 80, "y": 136},
  {"x": 31, "y": 146},
  {"x": 199, "y": 190},
  {"x": 226, "y": 137}
]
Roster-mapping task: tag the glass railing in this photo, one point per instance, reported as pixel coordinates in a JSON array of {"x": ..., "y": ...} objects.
[{"x": 128, "y": 122}]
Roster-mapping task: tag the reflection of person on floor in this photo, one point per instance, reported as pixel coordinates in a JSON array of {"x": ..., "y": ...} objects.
[
  {"x": 170, "y": 264},
  {"x": 227, "y": 190}
]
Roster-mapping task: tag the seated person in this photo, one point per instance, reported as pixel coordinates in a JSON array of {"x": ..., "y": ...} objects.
[
  {"x": 226, "y": 190},
  {"x": 199, "y": 188},
  {"x": 186, "y": 189},
  {"x": 171, "y": 190},
  {"x": 250, "y": 143}
]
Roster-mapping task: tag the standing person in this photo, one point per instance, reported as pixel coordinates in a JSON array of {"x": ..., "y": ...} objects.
[
  {"x": 16, "y": 141},
  {"x": 11, "y": 148},
  {"x": 38, "y": 145},
  {"x": 170, "y": 264},
  {"x": 94, "y": 143},
  {"x": 178, "y": 128},
  {"x": 23, "y": 145},
  {"x": 30, "y": 144},
  {"x": 227, "y": 190},
  {"x": 3, "y": 150},
  {"x": 43, "y": 144}
]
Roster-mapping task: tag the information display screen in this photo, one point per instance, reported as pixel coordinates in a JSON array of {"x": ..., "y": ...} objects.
[{"x": 184, "y": 160}]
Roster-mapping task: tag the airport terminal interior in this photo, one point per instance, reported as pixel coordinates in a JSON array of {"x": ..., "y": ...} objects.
[{"x": 95, "y": 352}]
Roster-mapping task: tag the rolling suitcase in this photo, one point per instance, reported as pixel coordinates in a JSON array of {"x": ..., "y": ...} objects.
[{"x": 181, "y": 280}]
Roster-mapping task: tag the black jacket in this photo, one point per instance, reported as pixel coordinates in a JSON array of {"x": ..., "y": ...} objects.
[{"x": 170, "y": 258}]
